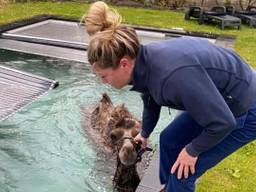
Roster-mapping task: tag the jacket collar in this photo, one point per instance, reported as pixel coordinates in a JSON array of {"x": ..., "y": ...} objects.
[{"x": 140, "y": 72}]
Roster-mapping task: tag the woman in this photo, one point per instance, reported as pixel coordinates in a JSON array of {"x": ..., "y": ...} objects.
[{"x": 214, "y": 87}]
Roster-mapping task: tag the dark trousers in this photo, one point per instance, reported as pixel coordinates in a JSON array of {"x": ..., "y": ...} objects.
[{"x": 182, "y": 131}]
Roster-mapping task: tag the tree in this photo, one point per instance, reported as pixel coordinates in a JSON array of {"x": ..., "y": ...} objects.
[
  {"x": 177, "y": 3},
  {"x": 2, "y": 3},
  {"x": 245, "y": 4}
]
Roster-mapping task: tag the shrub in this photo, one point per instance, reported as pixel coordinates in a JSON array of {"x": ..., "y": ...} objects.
[{"x": 2, "y": 3}]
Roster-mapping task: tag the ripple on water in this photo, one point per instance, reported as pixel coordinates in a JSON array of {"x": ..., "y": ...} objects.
[{"x": 43, "y": 147}]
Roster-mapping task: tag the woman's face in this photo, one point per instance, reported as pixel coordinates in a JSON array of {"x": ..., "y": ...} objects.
[{"x": 117, "y": 78}]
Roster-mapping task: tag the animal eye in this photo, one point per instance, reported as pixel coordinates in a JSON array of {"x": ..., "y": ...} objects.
[
  {"x": 113, "y": 137},
  {"x": 135, "y": 132},
  {"x": 116, "y": 135}
]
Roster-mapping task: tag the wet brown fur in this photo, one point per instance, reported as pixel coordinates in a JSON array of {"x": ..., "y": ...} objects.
[{"x": 111, "y": 121}]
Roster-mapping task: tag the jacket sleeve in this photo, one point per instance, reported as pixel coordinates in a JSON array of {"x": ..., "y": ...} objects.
[
  {"x": 193, "y": 88},
  {"x": 150, "y": 115}
]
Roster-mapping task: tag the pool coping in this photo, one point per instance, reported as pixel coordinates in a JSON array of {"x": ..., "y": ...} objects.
[
  {"x": 227, "y": 39},
  {"x": 42, "y": 17}
]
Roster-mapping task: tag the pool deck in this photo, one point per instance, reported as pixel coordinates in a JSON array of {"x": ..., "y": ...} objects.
[
  {"x": 61, "y": 37},
  {"x": 150, "y": 181}
]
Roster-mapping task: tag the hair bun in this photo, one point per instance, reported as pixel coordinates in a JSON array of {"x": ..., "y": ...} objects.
[{"x": 100, "y": 17}]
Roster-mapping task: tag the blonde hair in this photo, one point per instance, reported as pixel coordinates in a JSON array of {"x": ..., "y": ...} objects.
[
  {"x": 100, "y": 17},
  {"x": 110, "y": 41},
  {"x": 108, "y": 47}
]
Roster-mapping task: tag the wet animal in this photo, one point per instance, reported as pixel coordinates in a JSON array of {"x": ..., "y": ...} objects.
[{"x": 118, "y": 128}]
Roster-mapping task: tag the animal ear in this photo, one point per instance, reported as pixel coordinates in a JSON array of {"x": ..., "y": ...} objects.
[
  {"x": 116, "y": 135},
  {"x": 96, "y": 110},
  {"x": 105, "y": 98},
  {"x": 124, "y": 109}
]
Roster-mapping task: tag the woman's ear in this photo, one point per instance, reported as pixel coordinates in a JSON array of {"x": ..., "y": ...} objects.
[
  {"x": 123, "y": 62},
  {"x": 126, "y": 62}
]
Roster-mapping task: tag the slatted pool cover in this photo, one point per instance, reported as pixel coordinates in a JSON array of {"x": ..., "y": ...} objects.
[
  {"x": 53, "y": 38},
  {"x": 18, "y": 89}
]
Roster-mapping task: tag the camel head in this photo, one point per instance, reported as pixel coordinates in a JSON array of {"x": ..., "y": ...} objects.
[
  {"x": 123, "y": 138},
  {"x": 118, "y": 128}
]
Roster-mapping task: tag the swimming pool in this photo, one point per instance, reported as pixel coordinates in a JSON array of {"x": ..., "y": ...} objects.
[{"x": 43, "y": 146}]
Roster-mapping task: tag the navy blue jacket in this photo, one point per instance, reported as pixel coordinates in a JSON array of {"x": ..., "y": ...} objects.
[{"x": 212, "y": 83}]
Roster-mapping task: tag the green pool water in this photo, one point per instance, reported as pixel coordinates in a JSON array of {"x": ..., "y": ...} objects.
[{"x": 43, "y": 147}]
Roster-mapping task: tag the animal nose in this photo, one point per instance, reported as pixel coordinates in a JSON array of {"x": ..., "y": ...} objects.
[
  {"x": 129, "y": 152},
  {"x": 128, "y": 149},
  {"x": 128, "y": 155}
]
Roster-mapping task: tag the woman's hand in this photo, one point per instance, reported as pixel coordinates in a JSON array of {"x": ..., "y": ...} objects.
[
  {"x": 142, "y": 140},
  {"x": 184, "y": 164}
]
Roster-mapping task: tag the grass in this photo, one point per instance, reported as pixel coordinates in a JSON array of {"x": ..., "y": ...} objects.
[
  {"x": 244, "y": 45},
  {"x": 237, "y": 173}
]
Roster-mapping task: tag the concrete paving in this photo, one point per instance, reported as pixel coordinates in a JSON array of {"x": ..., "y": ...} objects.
[{"x": 150, "y": 181}]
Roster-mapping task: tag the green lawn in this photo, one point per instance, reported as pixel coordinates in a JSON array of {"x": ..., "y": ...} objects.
[{"x": 238, "y": 172}]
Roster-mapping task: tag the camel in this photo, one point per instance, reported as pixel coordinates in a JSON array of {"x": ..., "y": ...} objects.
[{"x": 116, "y": 129}]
